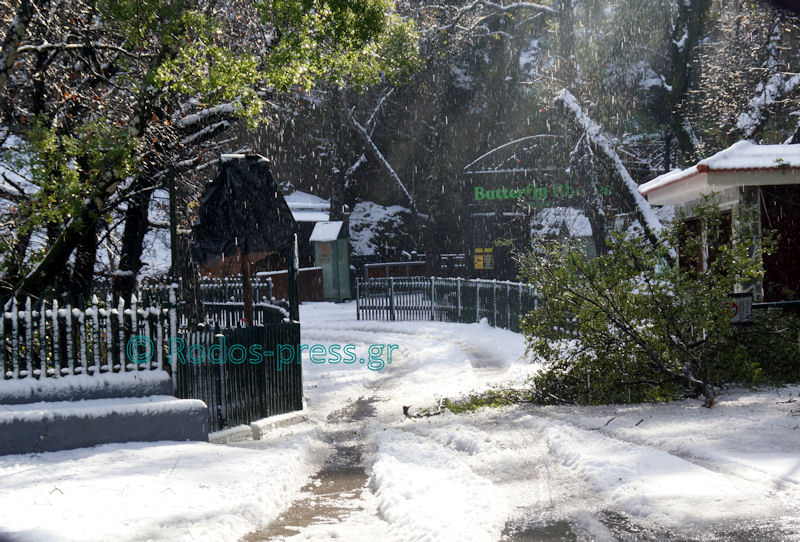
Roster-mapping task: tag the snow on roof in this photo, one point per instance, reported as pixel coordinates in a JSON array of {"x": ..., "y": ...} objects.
[
  {"x": 307, "y": 207},
  {"x": 326, "y": 231},
  {"x": 310, "y": 216},
  {"x": 741, "y": 156},
  {"x": 304, "y": 199},
  {"x": 556, "y": 220}
]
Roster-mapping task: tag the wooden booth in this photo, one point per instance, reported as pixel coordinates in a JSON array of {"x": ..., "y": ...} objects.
[{"x": 765, "y": 178}]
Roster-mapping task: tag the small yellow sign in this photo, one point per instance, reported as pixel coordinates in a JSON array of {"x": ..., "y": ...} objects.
[{"x": 483, "y": 258}]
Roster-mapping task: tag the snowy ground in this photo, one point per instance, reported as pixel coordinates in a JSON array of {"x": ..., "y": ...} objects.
[{"x": 360, "y": 470}]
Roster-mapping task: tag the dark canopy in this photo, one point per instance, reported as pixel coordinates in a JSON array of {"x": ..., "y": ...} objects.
[{"x": 241, "y": 208}]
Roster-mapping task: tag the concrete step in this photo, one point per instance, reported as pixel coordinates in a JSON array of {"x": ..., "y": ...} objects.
[
  {"x": 79, "y": 387},
  {"x": 64, "y": 425}
]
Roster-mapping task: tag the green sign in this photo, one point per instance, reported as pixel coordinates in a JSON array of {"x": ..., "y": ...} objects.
[{"x": 530, "y": 193}]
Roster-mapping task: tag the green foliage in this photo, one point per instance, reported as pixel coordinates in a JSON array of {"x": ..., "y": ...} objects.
[
  {"x": 215, "y": 75},
  {"x": 627, "y": 326},
  {"x": 146, "y": 23},
  {"x": 343, "y": 42},
  {"x": 490, "y": 399},
  {"x": 766, "y": 352},
  {"x": 65, "y": 166}
]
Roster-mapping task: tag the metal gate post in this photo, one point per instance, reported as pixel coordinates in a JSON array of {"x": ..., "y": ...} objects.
[
  {"x": 459, "y": 299},
  {"x": 478, "y": 300},
  {"x": 391, "y": 299},
  {"x": 494, "y": 302},
  {"x": 433, "y": 299}
]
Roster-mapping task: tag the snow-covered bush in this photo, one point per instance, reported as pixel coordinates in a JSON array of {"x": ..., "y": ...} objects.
[{"x": 635, "y": 325}]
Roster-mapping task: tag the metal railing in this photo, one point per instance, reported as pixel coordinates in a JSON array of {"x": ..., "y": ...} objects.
[
  {"x": 502, "y": 303},
  {"x": 237, "y": 386}
]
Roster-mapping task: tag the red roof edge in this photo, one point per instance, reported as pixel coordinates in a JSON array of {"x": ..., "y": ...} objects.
[
  {"x": 673, "y": 181},
  {"x": 703, "y": 168}
]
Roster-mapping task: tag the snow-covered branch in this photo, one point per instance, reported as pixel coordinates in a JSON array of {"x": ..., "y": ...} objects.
[
  {"x": 206, "y": 133},
  {"x": 205, "y": 116},
  {"x": 777, "y": 85},
  {"x": 600, "y": 142},
  {"x": 495, "y": 6},
  {"x": 16, "y": 31},
  {"x": 385, "y": 163}
]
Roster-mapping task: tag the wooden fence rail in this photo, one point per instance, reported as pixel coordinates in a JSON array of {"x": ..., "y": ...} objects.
[{"x": 502, "y": 303}]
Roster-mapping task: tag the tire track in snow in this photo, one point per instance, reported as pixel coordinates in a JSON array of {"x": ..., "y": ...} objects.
[{"x": 773, "y": 488}]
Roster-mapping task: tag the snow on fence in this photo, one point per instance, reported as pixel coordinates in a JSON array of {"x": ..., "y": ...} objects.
[
  {"x": 220, "y": 290},
  {"x": 502, "y": 303},
  {"x": 51, "y": 339},
  {"x": 48, "y": 338}
]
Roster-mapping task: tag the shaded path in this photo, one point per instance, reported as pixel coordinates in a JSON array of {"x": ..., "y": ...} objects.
[{"x": 334, "y": 492}]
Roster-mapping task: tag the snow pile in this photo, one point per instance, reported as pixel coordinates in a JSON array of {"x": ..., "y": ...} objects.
[
  {"x": 373, "y": 226},
  {"x": 426, "y": 492},
  {"x": 651, "y": 483},
  {"x": 558, "y": 221},
  {"x": 433, "y": 359},
  {"x": 146, "y": 491},
  {"x": 753, "y": 436}
]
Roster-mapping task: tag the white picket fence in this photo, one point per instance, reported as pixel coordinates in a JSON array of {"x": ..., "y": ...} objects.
[{"x": 51, "y": 339}]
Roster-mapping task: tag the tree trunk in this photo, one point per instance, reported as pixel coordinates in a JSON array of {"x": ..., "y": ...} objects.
[
  {"x": 13, "y": 266},
  {"x": 190, "y": 283},
  {"x": 82, "y": 277},
  {"x": 584, "y": 173},
  {"x": 136, "y": 226},
  {"x": 795, "y": 139}
]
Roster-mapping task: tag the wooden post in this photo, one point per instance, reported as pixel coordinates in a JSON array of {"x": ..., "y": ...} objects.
[
  {"x": 508, "y": 305},
  {"x": 358, "y": 299},
  {"x": 247, "y": 293},
  {"x": 494, "y": 302}
]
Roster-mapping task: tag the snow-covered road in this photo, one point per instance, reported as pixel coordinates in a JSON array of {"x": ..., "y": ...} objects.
[{"x": 358, "y": 469}]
